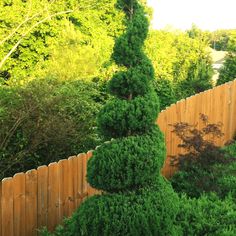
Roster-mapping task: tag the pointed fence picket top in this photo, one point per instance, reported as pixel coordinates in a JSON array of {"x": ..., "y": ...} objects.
[{"x": 43, "y": 197}]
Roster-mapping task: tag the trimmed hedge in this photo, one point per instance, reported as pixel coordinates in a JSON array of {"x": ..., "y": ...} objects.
[
  {"x": 136, "y": 200},
  {"x": 127, "y": 163},
  {"x": 147, "y": 211},
  {"x": 120, "y": 118}
]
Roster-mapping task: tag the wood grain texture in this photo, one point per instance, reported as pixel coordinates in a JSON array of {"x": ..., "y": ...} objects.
[
  {"x": 7, "y": 207},
  {"x": 31, "y": 202},
  {"x": 42, "y": 215},
  {"x": 19, "y": 204}
]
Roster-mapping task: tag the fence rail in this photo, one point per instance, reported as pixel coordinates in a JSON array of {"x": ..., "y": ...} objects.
[{"x": 43, "y": 197}]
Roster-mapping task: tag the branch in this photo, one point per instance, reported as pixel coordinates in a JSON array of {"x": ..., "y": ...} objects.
[
  {"x": 24, "y": 22},
  {"x": 8, "y": 136},
  {"x": 28, "y": 31}
]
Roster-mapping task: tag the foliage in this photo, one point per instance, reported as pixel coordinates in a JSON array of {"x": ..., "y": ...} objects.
[
  {"x": 44, "y": 47},
  {"x": 223, "y": 40},
  {"x": 181, "y": 59},
  {"x": 160, "y": 48},
  {"x": 121, "y": 157},
  {"x": 28, "y": 24},
  {"x": 198, "y": 80},
  {"x": 207, "y": 215},
  {"x": 83, "y": 48},
  {"x": 231, "y": 148},
  {"x": 124, "y": 218},
  {"x": 128, "y": 167},
  {"x": 193, "y": 67},
  {"x": 135, "y": 116},
  {"x": 228, "y": 71},
  {"x": 204, "y": 167},
  {"x": 165, "y": 89},
  {"x": 46, "y": 121},
  {"x": 196, "y": 32}
]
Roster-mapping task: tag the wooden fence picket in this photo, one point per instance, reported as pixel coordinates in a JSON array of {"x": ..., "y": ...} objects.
[
  {"x": 19, "y": 204},
  {"x": 53, "y": 196},
  {"x": 31, "y": 195},
  {"x": 7, "y": 207},
  {"x": 71, "y": 185},
  {"x": 80, "y": 168},
  {"x": 42, "y": 203}
]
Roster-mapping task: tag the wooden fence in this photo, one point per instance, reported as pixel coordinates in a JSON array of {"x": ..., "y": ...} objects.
[
  {"x": 44, "y": 196},
  {"x": 219, "y": 104}
]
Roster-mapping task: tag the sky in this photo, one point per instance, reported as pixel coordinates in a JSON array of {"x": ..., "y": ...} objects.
[{"x": 206, "y": 14}]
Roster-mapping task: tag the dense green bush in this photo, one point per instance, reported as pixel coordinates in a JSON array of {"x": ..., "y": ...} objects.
[
  {"x": 220, "y": 178},
  {"x": 199, "y": 79},
  {"x": 129, "y": 156},
  {"x": 135, "y": 116},
  {"x": 140, "y": 212},
  {"x": 207, "y": 216},
  {"x": 45, "y": 121},
  {"x": 165, "y": 89},
  {"x": 228, "y": 71}
]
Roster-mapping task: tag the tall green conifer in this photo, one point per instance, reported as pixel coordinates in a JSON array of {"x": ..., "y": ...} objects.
[{"x": 136, "y": 200}]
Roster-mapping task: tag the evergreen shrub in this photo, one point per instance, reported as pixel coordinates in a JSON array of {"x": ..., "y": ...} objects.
[
  {"x": 165, "y": 89},
  {"x": 130, "y": 156},
  {"x": 136, "y": 200},
  {"x": 207, "y": 215},
  {"x": 145, "y": 211},
  {"x": 228, "y": 71}
]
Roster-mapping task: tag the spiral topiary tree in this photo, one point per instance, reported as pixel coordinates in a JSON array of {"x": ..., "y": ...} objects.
[{"x": 136, "y": 200}]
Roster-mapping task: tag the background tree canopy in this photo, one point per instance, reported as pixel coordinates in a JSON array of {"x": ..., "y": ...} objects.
[
  {"x": 76, "y": 32},
  {"x": 55, "y": 62}
]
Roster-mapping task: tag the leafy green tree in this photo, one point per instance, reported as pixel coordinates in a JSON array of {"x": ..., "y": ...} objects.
[
  {"x": 198, "y": 80},
  {"x": 137, "y": 200},
  {"x": 32, "y": 38},
  {"x": 165, "y": 89},
  {"x": 194, "y": 32},
  {"x": 197, "y": 33},
  {"x": 84, "y": 48},
  {"x": 228, "y": 71},
  {"x": 26, "y": 27},
  {"x": 231, "y": 47},
  {"x": 160, "y": 48},
  {"x": 223, "y": 40},
  {"x": 183, "y": 61}
]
